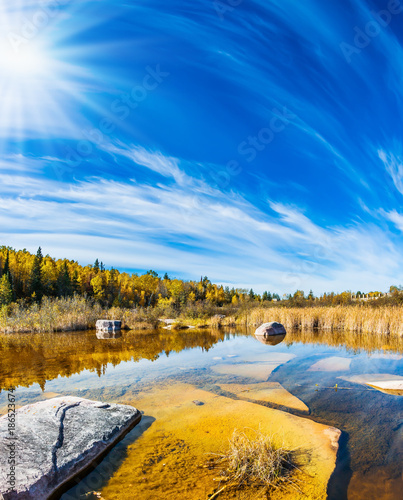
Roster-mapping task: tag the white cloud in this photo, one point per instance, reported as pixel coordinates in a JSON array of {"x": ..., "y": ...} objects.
[
  {"x": 191, "y": 229},
  {"x": 394, "y": 166}
]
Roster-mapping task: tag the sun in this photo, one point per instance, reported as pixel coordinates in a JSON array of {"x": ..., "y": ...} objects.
[{"x": 28, "y": 61}]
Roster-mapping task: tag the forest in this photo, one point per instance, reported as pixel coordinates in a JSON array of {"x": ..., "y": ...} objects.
[
  {"x": 28, "y": 278},
  {"x": 41, "y": 294}
]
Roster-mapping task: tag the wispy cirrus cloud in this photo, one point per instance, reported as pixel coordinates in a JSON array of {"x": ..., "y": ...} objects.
[{"x": 138, "y": 226}]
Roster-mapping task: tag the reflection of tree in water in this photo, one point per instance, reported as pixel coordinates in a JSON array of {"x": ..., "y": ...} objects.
[
  {"x": 37, "y": 358},
  {"x": 353, "y": 341}
]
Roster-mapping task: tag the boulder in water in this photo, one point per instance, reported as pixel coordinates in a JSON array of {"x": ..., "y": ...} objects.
[
  {"x": 269, "y": 329},
  {"x": 107, "y": 325}
]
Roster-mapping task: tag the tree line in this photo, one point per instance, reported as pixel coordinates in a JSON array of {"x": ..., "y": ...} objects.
[{"x": 30, "y": 277}]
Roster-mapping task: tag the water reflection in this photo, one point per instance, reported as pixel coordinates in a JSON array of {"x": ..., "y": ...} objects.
[
  {"x": 270, "y": 339},
  {"x": 116, "y": 368},
  {"x": 104, "y": 335},
  {"x": 26, "y": 359}
]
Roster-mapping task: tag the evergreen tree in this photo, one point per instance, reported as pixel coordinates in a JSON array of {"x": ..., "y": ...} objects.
[
  {"x": 75, "y": 284},
  {"x": 35, "y": 281},
  {"x": 6, "y": 268},
  {"x": 96, "y": 266},
  {"x": 152, "y": 273},
  {"x": 7, "y": 272},
  {"x": 166, "y": 277},
  {"x": 64, "y": 286},
  {"x": 6, "y": 292}
]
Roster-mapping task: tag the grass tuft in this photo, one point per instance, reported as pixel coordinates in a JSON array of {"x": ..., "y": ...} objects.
[{"x": 253, "y": 459}]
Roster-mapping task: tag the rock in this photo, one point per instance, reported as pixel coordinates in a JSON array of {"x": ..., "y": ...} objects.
[
  {"x": 332, "y": 364},
  {"x": 272, "y": 392},
  {"x": 167, "y": 321},
  {"x": 394, "y": 387},
  {"x": 106, "y": 325},
  {"x": 384, "y": 382},
  {"x": 58, "y": 439},
  {"x": 268, "y": 329},
  {"x": 183, "y": 435}
]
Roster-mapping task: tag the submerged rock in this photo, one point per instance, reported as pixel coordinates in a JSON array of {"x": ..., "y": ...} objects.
[
  {"x": 268, "y": 329},
  {"x": 106, "y": 325},
  {"x": 384, "y": 382},
  {"x": 331, "y": 364},
  {"x": 166, "y": 463},
  {"x": 394, "y": 387},
  {"x": 56, "y": 440},
  {"x": 272, "y": 392}
]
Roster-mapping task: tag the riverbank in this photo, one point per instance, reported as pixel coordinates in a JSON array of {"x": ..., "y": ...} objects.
[
  {"x": 386, "y": 320},
  {"x": 79, "y": 313}
]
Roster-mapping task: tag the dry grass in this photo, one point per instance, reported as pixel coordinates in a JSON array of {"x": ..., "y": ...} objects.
[
  {"x": 253, "y": 459},
  {"x": 52, "y": 315},
  {"x": 381, "y": 320}
]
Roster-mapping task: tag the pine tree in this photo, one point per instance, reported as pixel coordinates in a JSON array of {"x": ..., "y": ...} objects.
[
  {"x": 6, "y": 268},
  {"x": 35, "y": 281},
  {"x": 6, "y": 292},
  {"x": 96, "y": 266},
  {"x": 64, "y": 286},
  {"x": 7, "y": 272},
  {"x": 75, "y": 284}
]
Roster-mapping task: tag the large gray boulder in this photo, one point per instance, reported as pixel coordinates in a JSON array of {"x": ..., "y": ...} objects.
[
  {"x": 107, "y": 325},
  {"x": 268, "y": 329},
  {"x": 54, "y": 441}
]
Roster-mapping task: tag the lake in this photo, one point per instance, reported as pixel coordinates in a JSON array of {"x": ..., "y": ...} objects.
[{"x": 314, "y": 375}]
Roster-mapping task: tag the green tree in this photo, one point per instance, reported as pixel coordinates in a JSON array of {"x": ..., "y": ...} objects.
[
  {"x": 35, "y": 280},
  {"x": 6, "y": 268},
  {"x": 75, "y": 284},
  {"x": 152, "y": 273},
  {"x": 96, "y": 266},
  {"x": 64, "y": 285},
  {"x": 6, "y": 292}
]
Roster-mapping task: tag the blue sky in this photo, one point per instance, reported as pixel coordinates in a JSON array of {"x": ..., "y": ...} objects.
[{"x": 258, "y": 142}]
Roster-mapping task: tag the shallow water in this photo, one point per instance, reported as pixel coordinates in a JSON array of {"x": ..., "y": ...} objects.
[{"x": 314, "y": 367}]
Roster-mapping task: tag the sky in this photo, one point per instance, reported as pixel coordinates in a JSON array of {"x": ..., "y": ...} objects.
[{"x": 258, "y": 142}]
